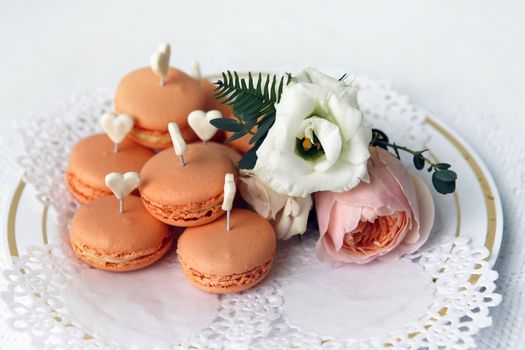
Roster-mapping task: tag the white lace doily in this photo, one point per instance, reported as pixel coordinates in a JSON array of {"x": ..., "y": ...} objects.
[{"x": 259, "y": 318}]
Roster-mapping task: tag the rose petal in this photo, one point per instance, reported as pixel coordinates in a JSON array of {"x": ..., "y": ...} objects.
[
  {"x": 399, "y": 173},
  {"x": 426, "y": 214},
  {"x": 323, "y": 205},
  {"x": 343, "y": 219},
  {"x": 391, "y": 192}
]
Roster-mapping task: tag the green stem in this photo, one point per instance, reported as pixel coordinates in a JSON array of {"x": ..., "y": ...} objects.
[{"x": 408, "y": 150}]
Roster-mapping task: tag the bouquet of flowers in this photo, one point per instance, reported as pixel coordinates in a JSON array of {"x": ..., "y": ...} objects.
[{"x": 311, "y": 143}]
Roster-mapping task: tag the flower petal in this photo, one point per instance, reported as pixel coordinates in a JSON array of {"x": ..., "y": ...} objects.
[
  {"x": 294, "y": 219},
  {"x": 288, "y": 215},
  {"x": 297, "y": 102},
  {"x": 399, "y": 173},
  {"x": 356, "y": 151},
  {"x": 387, "y": 224},
  {"x": 348, "y": 117},
  {"x": 315, "y": 77},
  {"x": 419, "y": 235},
  {"x": 329, "y": 137},
  {"x": 343, "y": 219}
]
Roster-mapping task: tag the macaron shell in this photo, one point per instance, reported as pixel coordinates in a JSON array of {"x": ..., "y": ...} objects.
[
  {"x": 231, "y": 152},
  {"x": 227, "y": 284},
  {"x": 132, "y": 265},
  {"x": 153, "y": 106},
  {"x": 129, "y": 240},
  {"x": 212, "y": 250},
  {"x": 93, "y": 158},
  {"x": 166, "y": 182}
]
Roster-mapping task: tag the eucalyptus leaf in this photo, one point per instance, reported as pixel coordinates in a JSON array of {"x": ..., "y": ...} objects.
[
  {"x": 443, "y": 179},
  {"x": 236, "y": 135},
  {"x": 226, "y": 124},
  {"x": 262, "y": 130},
  {"x": 249, "y": 124},
  {"x": 249, "y": 159},
  {"x": 419, "y": 161},
  {"x": 442, "y": 186},
  {"x": 445, "y": 175},
  {"x": 379, "y": 139},
  {"x": 442, "y": 166}
]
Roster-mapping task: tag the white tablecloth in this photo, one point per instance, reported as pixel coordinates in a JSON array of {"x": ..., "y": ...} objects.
[{"x": 462, "y": 61}]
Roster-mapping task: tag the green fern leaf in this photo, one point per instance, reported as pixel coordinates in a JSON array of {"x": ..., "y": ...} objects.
[{"x": 253, "y": 103}]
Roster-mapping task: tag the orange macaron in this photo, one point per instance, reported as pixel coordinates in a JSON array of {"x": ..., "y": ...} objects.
[
  {"x": 188, "y": 195},
  {"x": 94, "y": 157},
  {"x": 220, "y": 261},
  {"x": 106, "y": 239},
  {"x": 153, "y": 106}
]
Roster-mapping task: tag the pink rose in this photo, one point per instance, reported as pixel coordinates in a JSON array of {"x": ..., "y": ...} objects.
[{"x": 388, "y": 217}]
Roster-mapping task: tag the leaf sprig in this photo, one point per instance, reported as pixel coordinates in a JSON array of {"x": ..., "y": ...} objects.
[
  {"x": 443, "y": 178},
  {"x": 253, "y": 103}
]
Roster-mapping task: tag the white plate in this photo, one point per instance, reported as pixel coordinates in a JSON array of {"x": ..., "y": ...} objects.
[{"x": 473, "y": 212}]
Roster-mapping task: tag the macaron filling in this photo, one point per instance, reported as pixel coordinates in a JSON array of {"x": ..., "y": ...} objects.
[
  {"x": 111, "y": 259},
  {"x": 186, "y": 212},
  {"x": 82, "y": 190},
  {"x": 158, "y": 137},
  {"x": 150, "y": 136},
  {"x": 226, "y": 282}
]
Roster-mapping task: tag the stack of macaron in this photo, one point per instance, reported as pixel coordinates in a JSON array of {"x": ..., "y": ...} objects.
[
  {"x": 95, "y": 156},
  {"x": 149, "y": 172}
]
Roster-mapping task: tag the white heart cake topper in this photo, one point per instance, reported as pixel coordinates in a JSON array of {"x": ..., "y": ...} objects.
[
  {"x": 229, "y": 195},
  {"x": 160, "y": 61},
  {"x": 196, "y": 70},
  {"x": 117, "y": 127},
  {"x": 200, "y": 123},
  {"x": 179, "y": 144},
  {"x": 122, "y": 184}
]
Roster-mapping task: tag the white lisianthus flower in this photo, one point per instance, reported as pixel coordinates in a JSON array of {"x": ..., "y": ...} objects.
[
  {"x": 319, "y": 141},
  {"x": 288, "y": 215}
]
